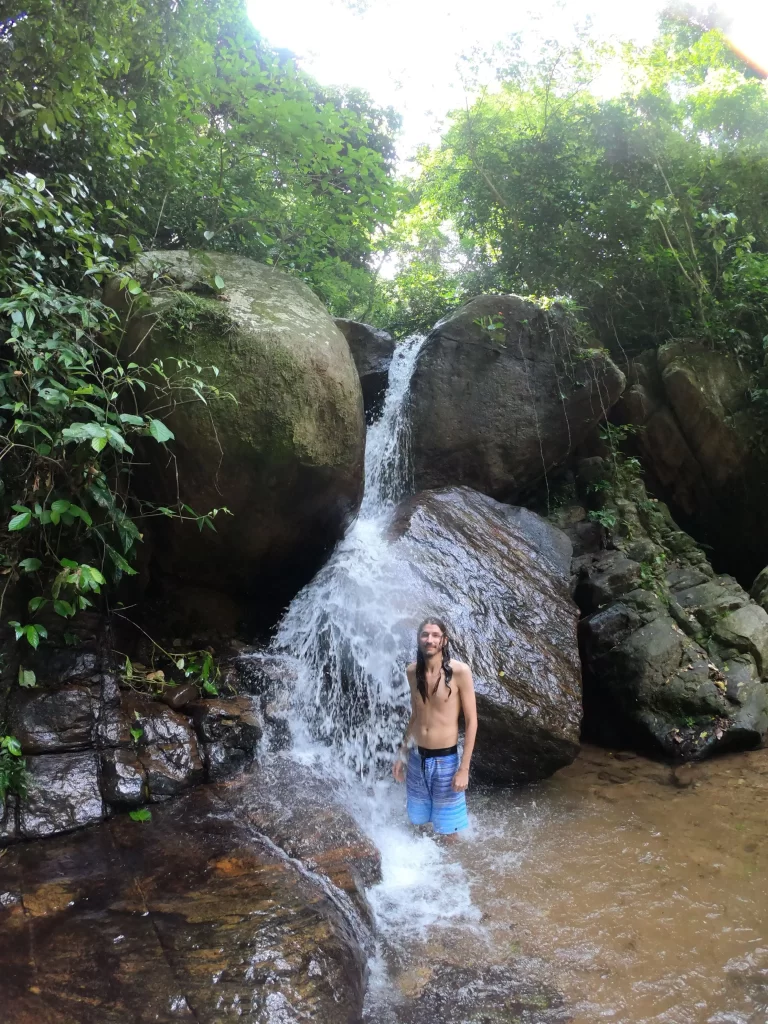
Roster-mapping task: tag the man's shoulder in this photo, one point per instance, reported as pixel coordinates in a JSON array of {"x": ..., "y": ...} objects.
[
  {"x": 459, "y": 667},
  {"x": 411, "y": 669}
]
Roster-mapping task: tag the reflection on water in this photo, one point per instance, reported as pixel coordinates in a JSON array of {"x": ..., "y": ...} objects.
[{"x": 637, "y": 890}]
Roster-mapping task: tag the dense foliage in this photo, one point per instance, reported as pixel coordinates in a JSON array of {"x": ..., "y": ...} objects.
[
  {"x": 181, "y": 116},
  {"x": 647, "y": 209},
  {"x": 127, "y": 125}
]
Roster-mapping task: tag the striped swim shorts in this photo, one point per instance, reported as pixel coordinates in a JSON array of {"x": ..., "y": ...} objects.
[{"x": 429, "y": 793}]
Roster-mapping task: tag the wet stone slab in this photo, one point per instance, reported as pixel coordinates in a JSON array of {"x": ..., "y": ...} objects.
[
  {"x": 192, "y": 916},
  {"x": 497, "y": 994}
]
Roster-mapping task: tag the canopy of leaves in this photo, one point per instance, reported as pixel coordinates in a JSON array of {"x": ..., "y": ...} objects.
[
  {"x": 178, "y": 114},
  {"x": 648, "y": 209}
]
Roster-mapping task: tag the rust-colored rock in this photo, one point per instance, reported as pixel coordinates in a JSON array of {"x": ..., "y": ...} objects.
[{"x": 196, "y": 915}]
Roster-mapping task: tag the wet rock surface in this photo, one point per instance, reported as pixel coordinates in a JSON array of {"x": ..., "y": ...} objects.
[
  {"x": 229, "y": 732},
  {"x": 62, "y": 793},
  {"x": 197, "y": 914},
  {"x": 675, "y": 656},
  {"x": 92, "y": 747},
  {"x": 500, "y": 576},
  {"x": 501, "y": 394},
  {"x": 372, "y": 351},
  {"x": 53, "y": 721},
  {"x": 699, "y": 447},
  {"x": 469, "y": 995}
]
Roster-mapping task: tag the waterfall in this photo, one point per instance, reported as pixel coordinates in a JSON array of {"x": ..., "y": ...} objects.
[
  {"x": 348, "y": 636},
  {"x": 349, "y": 631}
]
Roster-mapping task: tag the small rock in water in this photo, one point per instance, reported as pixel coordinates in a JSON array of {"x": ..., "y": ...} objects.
[{"x": 494, "y": 995}]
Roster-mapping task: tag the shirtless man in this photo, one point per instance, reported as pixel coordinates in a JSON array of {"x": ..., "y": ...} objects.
[{"x": 441, "y": 689}]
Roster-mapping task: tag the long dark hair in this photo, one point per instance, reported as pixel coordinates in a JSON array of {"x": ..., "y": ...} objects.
[{"x": 421, "y": 665}]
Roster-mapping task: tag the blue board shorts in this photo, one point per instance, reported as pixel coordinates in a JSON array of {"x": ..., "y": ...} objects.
[{"x": 429, "y": 793}]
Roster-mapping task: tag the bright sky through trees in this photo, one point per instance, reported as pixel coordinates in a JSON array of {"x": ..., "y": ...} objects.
[{"x": 407, "y": 53}]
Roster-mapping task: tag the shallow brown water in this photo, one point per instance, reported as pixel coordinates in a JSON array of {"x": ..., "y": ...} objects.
[{"x": 644, "y": 889}]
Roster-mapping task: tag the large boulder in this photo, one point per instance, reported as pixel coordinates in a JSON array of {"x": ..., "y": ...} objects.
[
  {"x": 700, "y": 443},
  {"x": 675, "y": 656},
  {"x": 501, "y": 394},
  {"x": 500, "y": 577},
  {"x": 284, "y": 453},
  {"x": 198, "y": 914},
  {"x": 372, "y": 349}
]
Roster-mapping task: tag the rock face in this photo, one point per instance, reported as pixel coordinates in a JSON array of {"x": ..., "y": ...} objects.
[
  {"x": 284, "y": 453},
  {"x": 197, "y": 914},
  {"x": 500, "y": 577},
  {"x": 92, "y": 748},
  {"x": 675, "y": 657},
  {"x": 372, "y": 350},
  {"x": 229, "y": 731},
  {"x": 501, "y": 394},
  {"x": 700, "y": 446}
]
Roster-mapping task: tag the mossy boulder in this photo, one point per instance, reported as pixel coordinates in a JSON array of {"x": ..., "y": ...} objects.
[
  {"x": 674, "y": 656},
  {"x": 503, "y": 392},
  {"x": 281, "y": 448},
  {"x": 704, "y": 447}
]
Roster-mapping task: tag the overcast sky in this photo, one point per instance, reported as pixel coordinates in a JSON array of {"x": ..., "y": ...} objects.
[{"x": 406, "y": 53}]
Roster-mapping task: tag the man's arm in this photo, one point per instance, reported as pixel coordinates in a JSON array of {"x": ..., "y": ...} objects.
[
  {"x": 398, "y": 768},
  {"x": 469, "y": 707}
]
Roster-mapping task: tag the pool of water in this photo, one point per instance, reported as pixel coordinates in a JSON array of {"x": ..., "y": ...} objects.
[{"x": 638, "y": 891}]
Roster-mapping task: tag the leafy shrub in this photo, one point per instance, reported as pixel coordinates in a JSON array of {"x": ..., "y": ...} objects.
[{"x": 72, "y": 412}]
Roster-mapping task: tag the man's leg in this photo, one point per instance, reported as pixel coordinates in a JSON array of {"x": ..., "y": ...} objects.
[
  {"x": 449, "y": 808},
  {"x": 419, "y": 800}
]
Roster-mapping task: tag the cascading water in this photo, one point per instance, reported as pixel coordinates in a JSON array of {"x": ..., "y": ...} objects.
[
  {"x": 349, "y": 631},
  {"x": 348, "y": 635}
]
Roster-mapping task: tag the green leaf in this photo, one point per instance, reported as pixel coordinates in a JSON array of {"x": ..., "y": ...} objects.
[
  {"x": 75, "y": 510},
  {"x": 63, "y": 608},
  {"x": 119, "y": 562},
  {"x": 160, "y": 432},
  {"x": 128, "y": 668},
  {"x": 134, "y": 287},
  {"x": 134, "y": 421},
  {"x": 136, "y": 733},
  {"x": 27, "y": 677},
  {"x": 210, "y": 688},
  {"x": 12, "y": 745},
  {"x": 35, "y": 603},
  {"x": 140, "y": 814},
  {"x": 219, "y": 282},
  {"x": 19, "y": 521},
  {"x": 60, "y": 505},
  {"x": 30, "y": 564}
]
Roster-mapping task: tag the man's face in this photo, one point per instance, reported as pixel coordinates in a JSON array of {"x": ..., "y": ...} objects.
[{"x": 431, "y": 639}]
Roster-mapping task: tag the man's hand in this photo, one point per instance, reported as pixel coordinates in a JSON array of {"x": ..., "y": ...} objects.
[
  {"x": 460, "y": 780},
  {"x": 398, "y": 770}
]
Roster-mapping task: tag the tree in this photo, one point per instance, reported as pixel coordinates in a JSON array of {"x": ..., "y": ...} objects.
[
  {"x": 647, "y": 209},
  {"x": 177, "y": 113}
]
